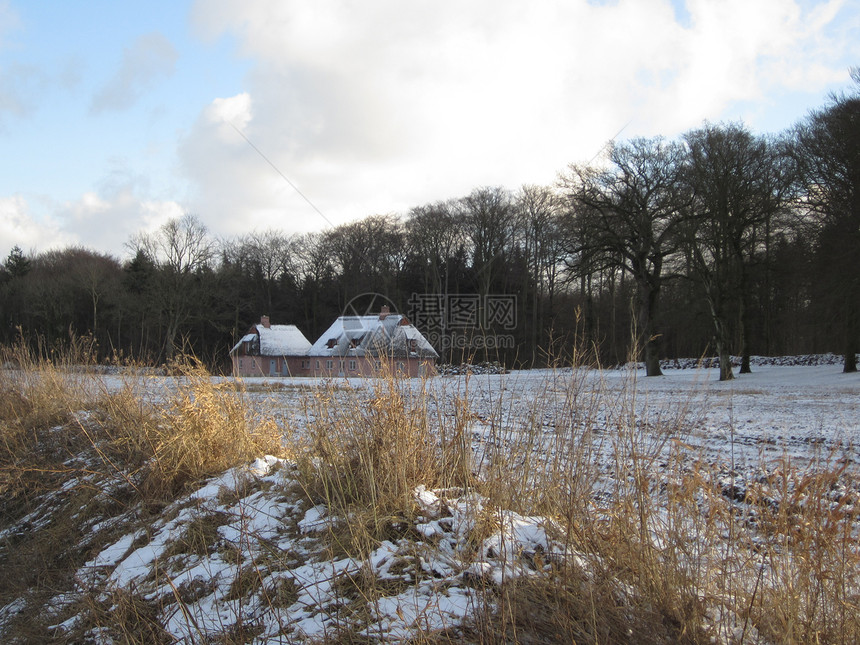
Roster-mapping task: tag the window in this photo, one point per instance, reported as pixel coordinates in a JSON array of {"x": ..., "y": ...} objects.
[
  {"x": 318, "y": 365},
  {"x": 329, "y": 365},
  {"x": 331, "y": 343},
  {"x": 352, "y": 366}
]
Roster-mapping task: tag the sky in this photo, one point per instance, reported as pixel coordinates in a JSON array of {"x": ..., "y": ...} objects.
[{"x": 297, "y": 115}]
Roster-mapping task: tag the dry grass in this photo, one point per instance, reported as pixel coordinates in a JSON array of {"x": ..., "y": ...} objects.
[
  {"x": 74, "y": 452},
  {"x": 125, "y": 616},
  {"x": 667, "y": 553},
  {"x": 199, "y": 428},
  {"x": 367, "y": 454},
  {"x": 670, "y": 555},
  {"x": 665, "y": 550},
  {"x": 38, "y": 389}
]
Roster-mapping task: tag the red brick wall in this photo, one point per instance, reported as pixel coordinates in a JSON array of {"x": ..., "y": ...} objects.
[{"x": 340, "y": 366}]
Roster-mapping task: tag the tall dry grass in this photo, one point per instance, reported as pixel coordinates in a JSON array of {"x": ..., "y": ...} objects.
[
  {"x": 193, "y": 428},
  {"x": 367, "y": 452},
  {"x": 672, "y": 553},
  {"x": 660, "y": 548},
  {"x": 664, "y": 551},
  {"x": 78, "y": 446}
]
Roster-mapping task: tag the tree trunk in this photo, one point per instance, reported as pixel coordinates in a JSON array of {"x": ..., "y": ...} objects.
[
  {"x": 850, "y": 363},
  {"x": 743, "y": 322},
  {"x": 722, "y": 340},
  {"x": 648, "y": 298},
  {"x": 725, "y": 362}
]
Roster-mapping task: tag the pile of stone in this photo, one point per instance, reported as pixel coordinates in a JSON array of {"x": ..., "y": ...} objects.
[
  {"x": 755, "y": 361},
  {"x": 471, "y": 368}
]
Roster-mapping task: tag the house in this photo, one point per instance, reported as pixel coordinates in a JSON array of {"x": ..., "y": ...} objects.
[
  {"x": 366, "y": 345},
  {"x": 352, "y": 346},
  {"x": 270, "y": 350}
]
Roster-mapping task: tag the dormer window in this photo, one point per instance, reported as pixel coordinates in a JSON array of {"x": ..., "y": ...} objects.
[{"x": 331, "y": 343}]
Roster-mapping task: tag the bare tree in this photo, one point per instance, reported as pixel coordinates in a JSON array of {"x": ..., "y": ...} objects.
[
  {"x": 433, "y": 237},
  {"x": 180, "y": 249},
  {"x": 542, "y": 230},
  {"x": 738, "y": 184},
  {"x": 828, "y": 155},
  {"x": 98, "y": 276},
  {"x": 269, "y": 258},
  {"x": 368, "y": 254},
  {"x": 633, "y": 208},
  {"x": 488, "y": 219}
]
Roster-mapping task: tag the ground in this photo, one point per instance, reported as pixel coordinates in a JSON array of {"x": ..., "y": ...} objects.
[{"x": 249, "y": 553}]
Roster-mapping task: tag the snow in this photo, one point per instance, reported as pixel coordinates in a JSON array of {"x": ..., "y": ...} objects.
[
  {"x": 110, "y": 556},
  {"x": 314, "y": 520},
  {"x": 277, "y": 340},
  {"x": 370, "y": 335},
  {"x": 428, "y": 580},
  {"x": 247, "y": 338},
  {"x": 344, "y": 330},
  {"x": 282, "y": 340}
]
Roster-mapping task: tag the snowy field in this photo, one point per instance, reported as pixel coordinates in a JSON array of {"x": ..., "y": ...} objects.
[
  {"x": 800, "y": 411},
  {"x": 267, "y": 574}
]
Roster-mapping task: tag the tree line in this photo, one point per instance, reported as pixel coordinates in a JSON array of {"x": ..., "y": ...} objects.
[{"x": 720, "y": 242}]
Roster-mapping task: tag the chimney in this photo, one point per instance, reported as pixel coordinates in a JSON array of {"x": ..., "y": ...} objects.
[
  {"x": 383, "y": 312},
  {"x": 264, "y": 321}
]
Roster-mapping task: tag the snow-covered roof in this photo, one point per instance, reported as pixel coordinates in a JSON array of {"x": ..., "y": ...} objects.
[
  {"x": 282, "y": 340},
  {"x": 276, "y": 340},
  {"x": 391, "y": 335}
]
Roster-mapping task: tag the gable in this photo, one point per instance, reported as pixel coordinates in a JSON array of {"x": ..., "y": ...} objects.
[
  {"x": 275, "y": 340},
  {"x": 372, "y": 336}
]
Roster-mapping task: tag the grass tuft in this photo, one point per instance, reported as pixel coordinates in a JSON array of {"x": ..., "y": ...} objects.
[{"x": 367, "y": 456}]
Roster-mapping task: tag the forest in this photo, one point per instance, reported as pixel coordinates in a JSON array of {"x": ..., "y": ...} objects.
[{"x": 719, "y": 243}]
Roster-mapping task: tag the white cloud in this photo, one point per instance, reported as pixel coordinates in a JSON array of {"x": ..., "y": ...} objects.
[
  {"x": 20, "y": 83},
  {"x": 150, "y": 57},
  {"x": 20, "y": 86},
  {"x": 234, "y": 111},
  {"x": 108, "y": 221},
  {"x": 9, "y": 19},
  {"x": 98, "y": 221},
  {"x": 382, "y": 105},
  {"x": 18, "y": 226}
]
